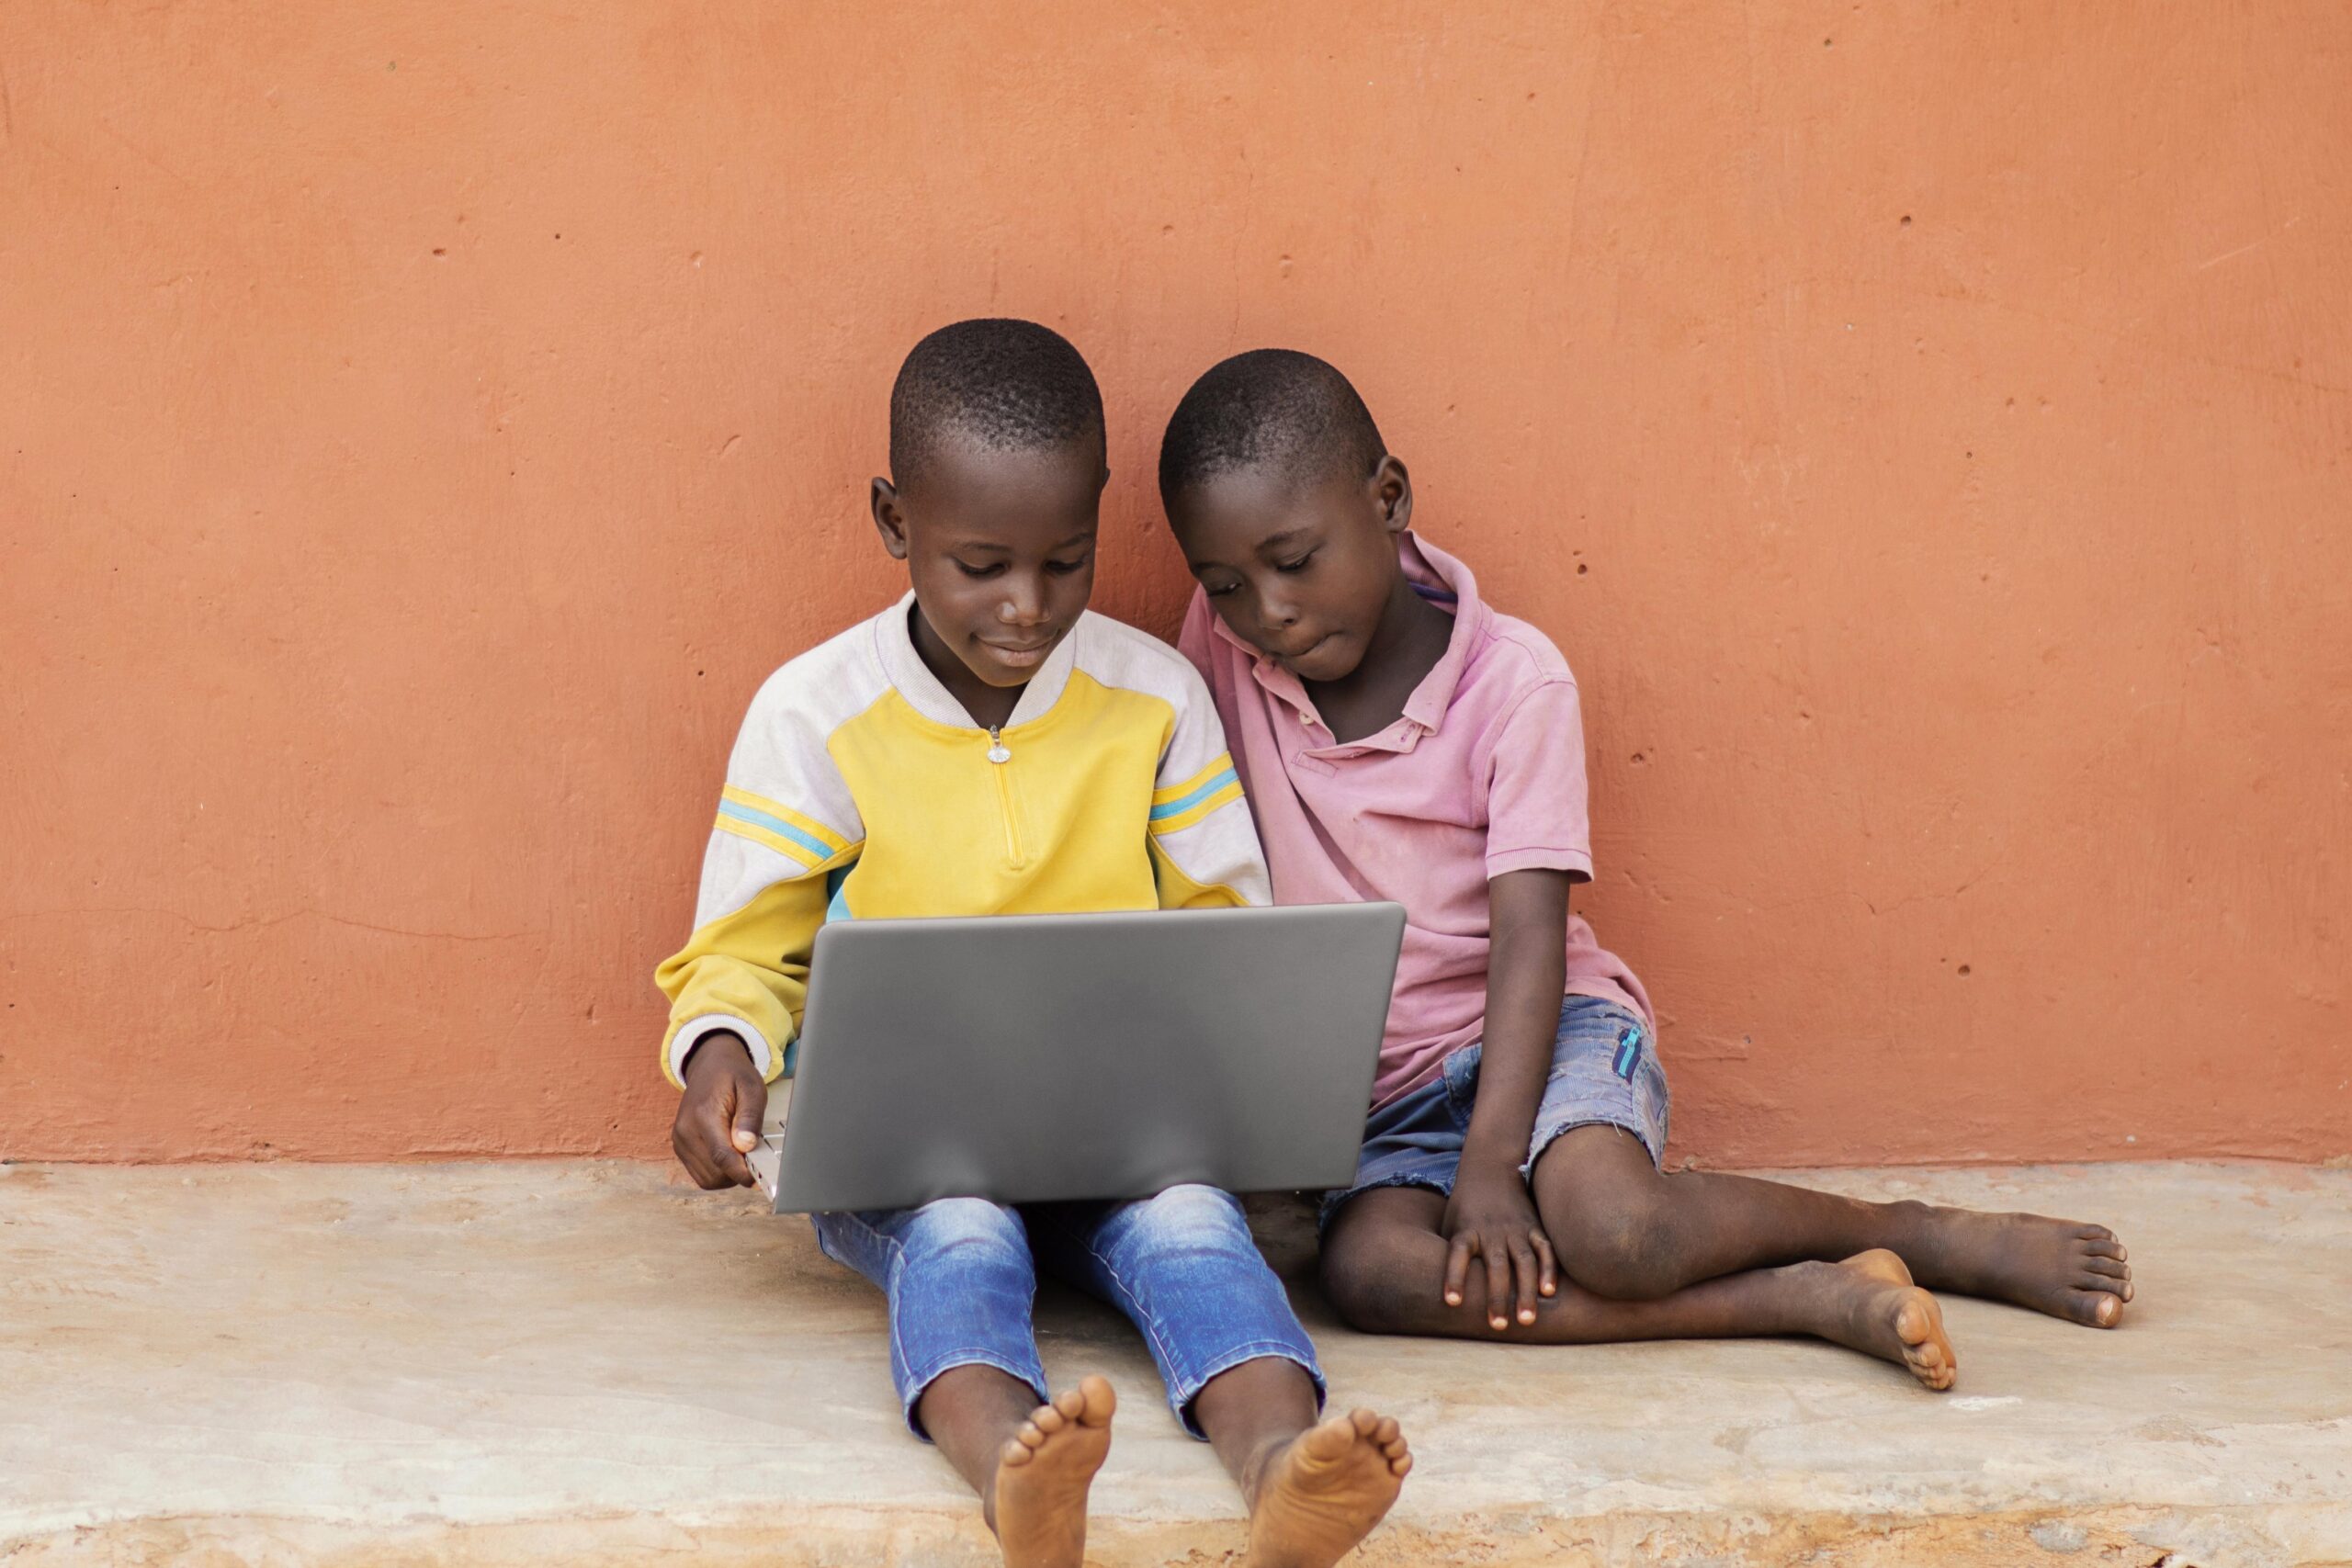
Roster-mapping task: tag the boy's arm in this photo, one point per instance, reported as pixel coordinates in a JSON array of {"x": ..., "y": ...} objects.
[
  {"x": 1491, "y": 1214},
  {"x": 1205, "y": 849},
  {"x": 738, "y": 987},
  {"x": 1538, "y": 845},
  {"x": 736, "y": 993},
  {"x": 744, "y": 971}
]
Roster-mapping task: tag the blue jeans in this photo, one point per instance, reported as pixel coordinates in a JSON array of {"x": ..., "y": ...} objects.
[{"x": 961, "y": 1274}]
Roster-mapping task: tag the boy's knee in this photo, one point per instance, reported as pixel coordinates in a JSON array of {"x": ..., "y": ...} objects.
[
  {"x": 1625, "y": 1260},
  {"x": 1187, "y": 1218},
  {"x": 965, "y": 1225},
  {"x": 1616, "y": 1236}
]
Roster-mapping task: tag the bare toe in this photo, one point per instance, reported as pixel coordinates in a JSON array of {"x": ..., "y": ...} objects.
[
  {"x": 1324, "y": 1492},
  {"x": 2028, "y": 1260},
  {"x": 1098, "y": 1402},
  {"x": 1043, "y": 1475},
  {"x": 1919, "y": 1324},
  {"x": 1868, "y": 1304}
]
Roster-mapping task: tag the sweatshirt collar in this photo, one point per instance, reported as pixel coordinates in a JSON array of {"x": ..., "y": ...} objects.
[{"x": 894, "y": 641}]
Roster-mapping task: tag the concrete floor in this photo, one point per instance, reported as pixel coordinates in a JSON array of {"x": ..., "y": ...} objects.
[{"x": 593, "y": 1364}]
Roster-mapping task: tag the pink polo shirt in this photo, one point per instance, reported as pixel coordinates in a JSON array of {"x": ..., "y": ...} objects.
[{"x": 1483, "y": 775}]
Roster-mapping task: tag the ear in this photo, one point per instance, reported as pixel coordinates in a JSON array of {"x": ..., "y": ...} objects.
[
  {"x": 1391, "y": 490},
  {"x": 888, "y": 520}
]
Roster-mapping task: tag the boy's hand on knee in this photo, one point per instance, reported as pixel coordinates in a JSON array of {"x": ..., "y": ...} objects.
[
  {"x": 719, "y": 1116},
  {"x": 1491, "y": 1217}
]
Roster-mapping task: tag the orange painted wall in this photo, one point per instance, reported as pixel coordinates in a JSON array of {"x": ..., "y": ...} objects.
[{"x": 1928, "y": 431}]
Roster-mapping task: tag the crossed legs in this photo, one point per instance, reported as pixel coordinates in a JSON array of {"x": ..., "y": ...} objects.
[{"x": 1650, "y": 1255}]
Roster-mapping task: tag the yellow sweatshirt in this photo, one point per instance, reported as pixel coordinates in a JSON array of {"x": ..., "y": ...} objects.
[{"x": 859, "y": 789}]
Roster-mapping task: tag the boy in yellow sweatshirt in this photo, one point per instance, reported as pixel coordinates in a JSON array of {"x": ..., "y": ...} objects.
[{"x": 990, "y": 746}]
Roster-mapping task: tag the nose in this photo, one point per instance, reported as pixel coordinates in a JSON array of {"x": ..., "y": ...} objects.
[
  {"x": 1275, "y": 610},
  {"x": 1025, "y": 601}
]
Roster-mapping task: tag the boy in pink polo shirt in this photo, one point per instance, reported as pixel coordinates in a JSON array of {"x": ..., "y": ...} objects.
[{"x": 1401, "y": 739}]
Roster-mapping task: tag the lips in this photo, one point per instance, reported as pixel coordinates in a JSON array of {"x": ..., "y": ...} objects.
[
  {"x": 1020, "y": 653},
  {"x": 1292, "y": 655}
]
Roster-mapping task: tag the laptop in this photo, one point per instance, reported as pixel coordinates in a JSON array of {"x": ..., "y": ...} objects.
[{"x": 1029, "y": 1058}]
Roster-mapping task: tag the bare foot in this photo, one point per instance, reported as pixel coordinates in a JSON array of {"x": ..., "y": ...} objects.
[
  {"x": 1869, "y": 1303},
  {"x": 1325, "y": 1491},
  {"x": 2065, "y": 1268},
  {"x": 1041, "y": 1477}
]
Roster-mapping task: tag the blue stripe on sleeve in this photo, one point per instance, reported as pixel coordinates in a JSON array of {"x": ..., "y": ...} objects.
[
  {"x": 1177, "y": 807},
  {"x": 778, "y": 826}
]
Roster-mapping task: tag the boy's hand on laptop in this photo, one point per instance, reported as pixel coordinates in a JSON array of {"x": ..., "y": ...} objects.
[
  {"x": 718, "y": 1118},
  {"x": 1491, "y": 1217}
]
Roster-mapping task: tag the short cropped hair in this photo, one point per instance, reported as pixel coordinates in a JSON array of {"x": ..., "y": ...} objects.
[
  {"x": 995, "y": 382},
  {"x": 1271, "y": 407}
]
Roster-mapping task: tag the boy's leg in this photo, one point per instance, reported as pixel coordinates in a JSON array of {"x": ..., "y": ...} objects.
[
  {"x": 1239, "y": 1369},
  {"x": 960, "y": 1284},
  {"x": 1032, "y": 1464},
  {"x": 1383, "y": 1267},
  {"x": 1623, "y": 1228}
]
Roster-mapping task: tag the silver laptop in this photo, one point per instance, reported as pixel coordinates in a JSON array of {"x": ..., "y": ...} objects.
[{"x": 1033, "y": 1057}]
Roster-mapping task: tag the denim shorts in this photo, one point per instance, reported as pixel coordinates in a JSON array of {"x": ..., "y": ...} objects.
[
  {"x": 1605, "y": 1072},
  {"x": 960, "y": 1275}
]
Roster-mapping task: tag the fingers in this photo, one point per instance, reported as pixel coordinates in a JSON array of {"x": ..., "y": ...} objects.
[
  {"x": 728, "y": 1168},
  {"x": 1514, "y": 1275},
  {"x": 1522, "y": 1269},
  {"x": 750, "y": 1109},
  {"x": 694, "y": 1151},
  {"x": 735, "y": 1129},
  {"x": 686, "y": 1143},
  {"x": 689, "y": 1154},
  {"x": 701, "y": 1140},
  {"x": 719, "y": 1115},
  {"x": 734, "y": 1168}
]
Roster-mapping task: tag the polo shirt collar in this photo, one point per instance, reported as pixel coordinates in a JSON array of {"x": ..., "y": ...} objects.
[{"x": 1441, "y": 579}]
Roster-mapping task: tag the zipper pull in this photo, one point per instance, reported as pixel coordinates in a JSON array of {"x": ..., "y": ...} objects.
[{"x": 997, "y": 750}]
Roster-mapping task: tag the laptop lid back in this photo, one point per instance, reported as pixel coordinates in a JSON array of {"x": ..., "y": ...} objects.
[{"x": 1033, "y": 1057}]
